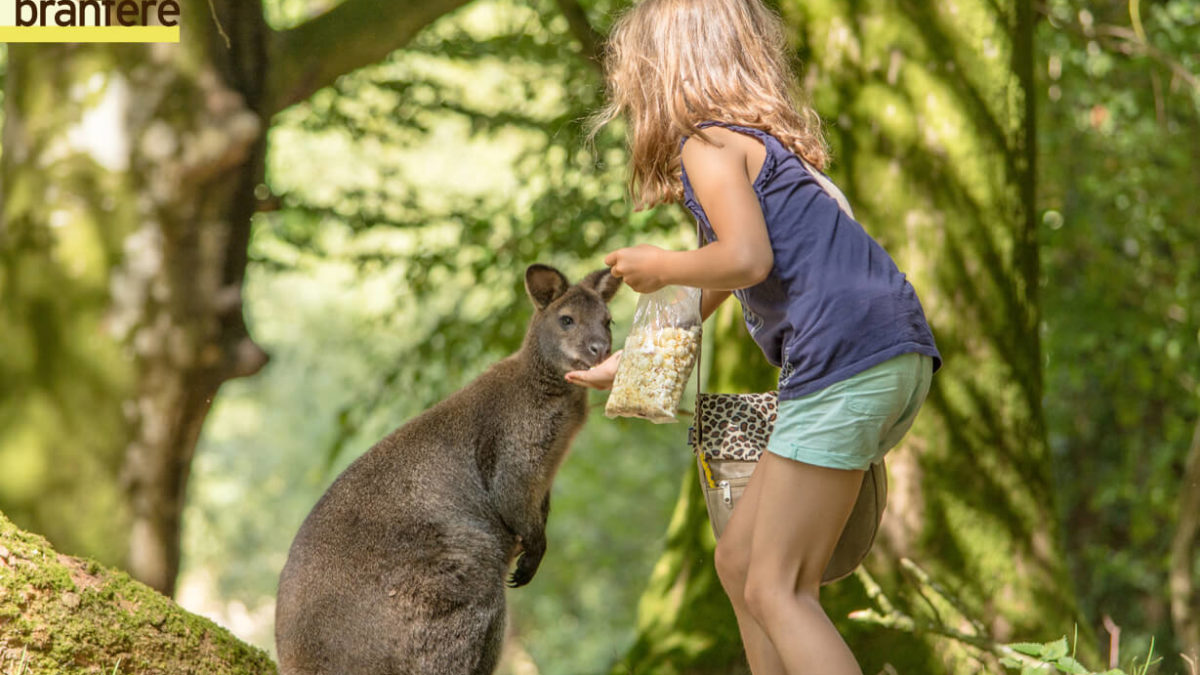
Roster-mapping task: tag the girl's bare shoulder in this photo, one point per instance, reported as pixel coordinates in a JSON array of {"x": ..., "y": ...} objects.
[
  {"x": 722, "y": 150},
  {"x": 717, "y": 144}
]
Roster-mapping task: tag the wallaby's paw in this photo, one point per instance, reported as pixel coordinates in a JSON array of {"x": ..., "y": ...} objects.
[
  {"x": 523, "y": 574},
  {"x": 519, "y": 578}
]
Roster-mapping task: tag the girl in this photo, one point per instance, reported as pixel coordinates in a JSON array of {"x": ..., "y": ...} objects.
[{"x": 705, "y": 87}]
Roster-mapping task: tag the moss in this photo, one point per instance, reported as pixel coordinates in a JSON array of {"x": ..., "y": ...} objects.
[{"x": 68, "y": 615}]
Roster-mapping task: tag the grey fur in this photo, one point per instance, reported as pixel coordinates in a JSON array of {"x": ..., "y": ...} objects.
[{"x": 400, "y": 567}]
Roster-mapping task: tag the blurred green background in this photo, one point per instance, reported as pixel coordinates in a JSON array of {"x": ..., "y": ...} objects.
[{"x": 1032, "y": 167}]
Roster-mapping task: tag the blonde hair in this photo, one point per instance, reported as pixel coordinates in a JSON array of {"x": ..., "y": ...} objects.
[{"x": 673, "y": 64}]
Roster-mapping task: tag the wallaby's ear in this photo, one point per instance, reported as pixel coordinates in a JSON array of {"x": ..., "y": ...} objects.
[
  {"x": 544, "y": 284},
  {"x": 603, "y": 282}
]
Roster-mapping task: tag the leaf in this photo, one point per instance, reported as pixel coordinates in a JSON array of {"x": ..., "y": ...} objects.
[
  {"x": 1067, "y": 664},
  {"x": 1027, "y": 648},
  {"x": 1056, "y": 650}
]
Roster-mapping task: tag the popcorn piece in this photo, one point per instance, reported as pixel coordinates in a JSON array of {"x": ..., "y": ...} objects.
[{"x": 654, "y": 368}]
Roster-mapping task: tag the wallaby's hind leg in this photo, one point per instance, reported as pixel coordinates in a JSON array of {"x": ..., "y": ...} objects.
[
  {"x": 454, "y": 644},
  {"x": 492, "y": 644}
]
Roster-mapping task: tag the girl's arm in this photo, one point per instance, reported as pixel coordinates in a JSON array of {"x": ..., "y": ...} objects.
[
  {"x": 710, "y": 300},
  {"x": 740, "y": 257}
]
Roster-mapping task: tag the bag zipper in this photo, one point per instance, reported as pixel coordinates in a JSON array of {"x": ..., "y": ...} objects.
[{"x": 726, "y": 492}]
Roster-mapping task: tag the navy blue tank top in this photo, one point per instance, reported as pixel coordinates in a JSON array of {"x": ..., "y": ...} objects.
[{"x": 835, "y": 303}]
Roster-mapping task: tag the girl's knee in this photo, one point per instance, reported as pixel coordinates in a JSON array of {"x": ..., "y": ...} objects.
[
  {"x": 769, "y": 596},
  {"x": 731, "y": 562}
]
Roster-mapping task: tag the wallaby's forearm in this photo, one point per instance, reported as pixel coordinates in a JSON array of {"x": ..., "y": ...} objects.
[{"x": 524, "y": 505}]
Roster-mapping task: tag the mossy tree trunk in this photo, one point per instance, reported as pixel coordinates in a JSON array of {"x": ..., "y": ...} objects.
[
  {"x": 69, "y": 615},
  {"x": 129, "y": 180},
  {"x": 930, "y": 115},
  {"x": 932, "y": 112}
]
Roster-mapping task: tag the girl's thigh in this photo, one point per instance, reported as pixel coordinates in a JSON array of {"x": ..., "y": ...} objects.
[
  {"x": 799, "y": 514},
  {"x": 733, "y": 548}
]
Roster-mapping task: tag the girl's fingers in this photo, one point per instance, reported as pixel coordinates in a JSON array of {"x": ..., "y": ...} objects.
[
  {"x": 582, "y": 378},
  {"x": 598, "y": 377}
]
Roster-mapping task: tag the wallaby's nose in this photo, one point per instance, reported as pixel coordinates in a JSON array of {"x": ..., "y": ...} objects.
[{"x": 598, "y": 348}]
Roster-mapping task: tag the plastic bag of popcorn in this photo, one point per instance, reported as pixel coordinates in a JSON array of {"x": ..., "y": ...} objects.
[{"x": 659, "y": 355}]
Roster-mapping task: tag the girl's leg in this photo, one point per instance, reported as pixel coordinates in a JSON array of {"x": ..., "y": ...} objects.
[
  {"x": 800, "y": 511},
  {"x": 732, "y": 561}
]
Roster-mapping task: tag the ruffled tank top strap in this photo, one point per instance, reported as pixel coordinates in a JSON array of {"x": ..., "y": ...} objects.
[{"x": 775, "y": 151}]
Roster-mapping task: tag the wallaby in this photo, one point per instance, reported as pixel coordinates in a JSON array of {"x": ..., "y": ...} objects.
[{"x": 400, "y": 567}]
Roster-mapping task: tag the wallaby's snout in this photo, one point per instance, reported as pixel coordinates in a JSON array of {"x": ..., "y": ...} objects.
[
  {"x": 600, "y": 348},
  {"x": 572, "y": 326}
]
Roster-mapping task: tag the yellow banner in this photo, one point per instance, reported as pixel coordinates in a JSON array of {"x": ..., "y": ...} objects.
[{"x": 89, "y": 34}]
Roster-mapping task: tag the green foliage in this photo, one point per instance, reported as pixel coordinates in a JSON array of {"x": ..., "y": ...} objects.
[
  {"x": 62, "y": 388},
  {"x": 1120, "y": 232},
  {"x": 941, "y": 613},
  {"x": 1032, "y": 658},
  {"x": 1047, "y": 657},
  {"x": 3, "y": 76}
]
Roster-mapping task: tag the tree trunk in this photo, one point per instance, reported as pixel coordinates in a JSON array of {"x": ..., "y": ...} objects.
[
  {"x": 931, "y": 119},
  {"x": 1185, "y": 598},
  {"x": 66, "y": 615},
  {"x": 129, "y": 178}
]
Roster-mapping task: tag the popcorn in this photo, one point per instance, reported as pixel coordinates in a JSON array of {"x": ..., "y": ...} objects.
[{"x": 654, "y": 368}]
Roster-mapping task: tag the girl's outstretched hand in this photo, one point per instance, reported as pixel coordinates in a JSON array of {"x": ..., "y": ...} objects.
[
  {"x": 639, "y": 266},
  {"x": 599, "y": 376}
]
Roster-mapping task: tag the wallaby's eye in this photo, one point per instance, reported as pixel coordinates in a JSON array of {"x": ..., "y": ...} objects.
[{"x": 565, "y": 321}]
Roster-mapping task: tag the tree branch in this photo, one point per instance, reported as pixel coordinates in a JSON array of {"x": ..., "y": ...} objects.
[
  {"x": 1127, "y": 41},
  {"x": 589, "y": 38},
  {"x": 353, "y": 34}
]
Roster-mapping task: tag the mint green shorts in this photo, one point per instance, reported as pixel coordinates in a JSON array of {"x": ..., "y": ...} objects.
[{"x": 853, "y": 423}]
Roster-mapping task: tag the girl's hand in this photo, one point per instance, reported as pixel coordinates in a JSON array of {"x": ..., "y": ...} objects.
[
  {"x": 599, "y": 376},
  {"x": 639, "y": 266}
]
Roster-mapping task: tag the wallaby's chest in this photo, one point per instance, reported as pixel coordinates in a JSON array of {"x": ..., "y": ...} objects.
[
  {"x": 530, "y": 439},
  {"x": 546, "y": 427}
]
